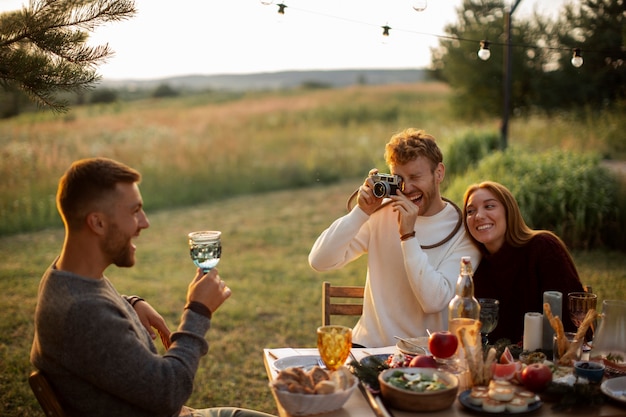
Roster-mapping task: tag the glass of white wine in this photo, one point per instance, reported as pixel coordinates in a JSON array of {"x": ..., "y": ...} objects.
[{"x": 205, "y": 248}]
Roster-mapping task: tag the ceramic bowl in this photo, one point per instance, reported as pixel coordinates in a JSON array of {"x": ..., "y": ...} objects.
[
  {"x": 408, "y": 400},
  {"x": 308, "y": 404},
  {"x": 593, "y": 371}
]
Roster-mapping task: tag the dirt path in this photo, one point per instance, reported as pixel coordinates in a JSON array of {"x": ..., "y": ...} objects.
[{"x": 616, "y": 166}]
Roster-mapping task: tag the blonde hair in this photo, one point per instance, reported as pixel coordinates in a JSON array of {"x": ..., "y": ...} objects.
[{"x": 409, "y": 144}]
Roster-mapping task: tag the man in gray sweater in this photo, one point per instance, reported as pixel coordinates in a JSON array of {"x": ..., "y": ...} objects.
[{"x": 95, "y": 345}]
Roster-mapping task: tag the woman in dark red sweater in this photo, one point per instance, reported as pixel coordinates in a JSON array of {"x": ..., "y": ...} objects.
[{"x": 518, "y": 263}]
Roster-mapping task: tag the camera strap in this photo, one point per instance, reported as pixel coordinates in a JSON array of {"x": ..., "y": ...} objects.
[{"x": 458, "y": 225}]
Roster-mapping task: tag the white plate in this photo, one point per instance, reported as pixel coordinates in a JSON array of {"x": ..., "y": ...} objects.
[
  {"x": 615, "y": 388},
  {"x": 408, "y": 349},
  {"x": 305, "y": 362}
]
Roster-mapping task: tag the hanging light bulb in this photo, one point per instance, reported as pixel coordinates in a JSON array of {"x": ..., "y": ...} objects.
[
  {"x": 484, "y": 53},
  {"x": 281, "y": 8},
  {"x": 419, "y": 5},
  {"x": 386, "y": 30},
  {"x": 577, "y": 58}
]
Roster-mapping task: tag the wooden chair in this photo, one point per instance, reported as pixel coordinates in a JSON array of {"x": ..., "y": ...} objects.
[
  {"x": 332, "y": 307},
  {"x": 45, "y": 395}
]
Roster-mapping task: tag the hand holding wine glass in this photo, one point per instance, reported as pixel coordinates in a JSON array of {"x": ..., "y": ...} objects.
[{"x": 205, "y": 248}]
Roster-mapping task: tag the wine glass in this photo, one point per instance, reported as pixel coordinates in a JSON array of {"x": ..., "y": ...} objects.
[
  {"x": 205, "y": 248},
  {"x": 579, "y": 303},
  {"x": 334, "y": 344},
  {"x": 489, "y": 314}
]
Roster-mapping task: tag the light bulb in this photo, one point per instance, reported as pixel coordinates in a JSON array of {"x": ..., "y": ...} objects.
[
  {"x": 385, "y": 39},
  {"x": 419, "y": 5},
  {"x": 484, "y": 53},
  {"x": 577, "y": 59}
]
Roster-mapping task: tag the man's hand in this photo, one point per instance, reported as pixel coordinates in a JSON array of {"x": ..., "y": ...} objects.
[
  {"x": 153, "y": 320},
  {"x": 366, "y": 199},
  {"x": 208, "y": 289},
  {"x": 407, "y": 212}
]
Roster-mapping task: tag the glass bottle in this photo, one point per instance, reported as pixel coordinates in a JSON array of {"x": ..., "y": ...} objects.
[{"x": 464, "y": 308}]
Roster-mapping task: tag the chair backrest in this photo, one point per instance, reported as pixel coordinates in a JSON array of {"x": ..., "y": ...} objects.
[
  {"x": 332, "y": 307},
  {"x": 45, "y": 395}
]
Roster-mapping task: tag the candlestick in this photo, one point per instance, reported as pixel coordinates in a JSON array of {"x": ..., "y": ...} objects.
[
  {"x": 555, "y": 300},
  {"x": 533, "y": 331}
]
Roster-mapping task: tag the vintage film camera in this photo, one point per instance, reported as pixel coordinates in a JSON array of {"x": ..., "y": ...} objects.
[{"x": 386, "y": 184}]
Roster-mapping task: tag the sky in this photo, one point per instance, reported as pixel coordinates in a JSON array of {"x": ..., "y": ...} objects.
[{"x": 182, "y": 37}]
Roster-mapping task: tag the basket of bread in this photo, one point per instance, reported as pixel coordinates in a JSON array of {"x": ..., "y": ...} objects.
[{"x": 314, "y": 391}]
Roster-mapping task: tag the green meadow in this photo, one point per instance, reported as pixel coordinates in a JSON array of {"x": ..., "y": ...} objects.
[{"x": 271, "y": 170}]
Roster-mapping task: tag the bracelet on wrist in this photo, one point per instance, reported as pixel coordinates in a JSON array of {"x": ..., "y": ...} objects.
[
  {"x": 407, "y": 236},
  {"x": 198, "y": 307},
  {"x": 134, "y": 300}
]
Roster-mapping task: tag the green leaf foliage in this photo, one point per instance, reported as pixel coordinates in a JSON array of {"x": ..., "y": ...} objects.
[{"x": 43, "y": 50}]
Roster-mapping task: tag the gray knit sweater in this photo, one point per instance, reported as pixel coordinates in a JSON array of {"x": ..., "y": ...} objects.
[{"x": 99, "y": 358}]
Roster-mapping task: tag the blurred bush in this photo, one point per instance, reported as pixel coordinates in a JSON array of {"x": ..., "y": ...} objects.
[
  {"x": 571, "y": 194},
  {"x": 465, "y": 150}
]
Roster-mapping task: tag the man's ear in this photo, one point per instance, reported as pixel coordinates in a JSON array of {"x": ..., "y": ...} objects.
[
  {"x": 440, "y": 172},
  {"x": 96, "y": 222}
]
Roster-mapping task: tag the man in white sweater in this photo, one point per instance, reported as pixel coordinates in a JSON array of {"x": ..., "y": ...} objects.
[{"x": 414, "y": 240}]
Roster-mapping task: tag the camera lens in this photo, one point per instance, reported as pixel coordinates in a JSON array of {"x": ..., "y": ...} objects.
[{"x": 381, "y": 189}]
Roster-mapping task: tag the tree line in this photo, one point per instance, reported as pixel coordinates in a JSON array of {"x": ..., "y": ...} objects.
[{"x": 543, "y": 77}]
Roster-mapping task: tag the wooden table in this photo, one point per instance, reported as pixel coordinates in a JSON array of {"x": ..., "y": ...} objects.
[{"x": 358, "y": 406}]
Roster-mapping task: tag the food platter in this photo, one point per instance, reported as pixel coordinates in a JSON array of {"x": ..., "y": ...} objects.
[
  {"x": 464, "y": 400},
  {"x": 615, "y": 388},
  {"x": 305, "y": 362},
  {"x": 374, "y": 360}
]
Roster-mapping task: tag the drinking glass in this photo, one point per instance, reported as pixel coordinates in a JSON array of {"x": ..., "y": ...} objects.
[
  {"x": 579, "y": 304},
  {"x": 489, "y": 315},
  {"x": 334, "y": 344},
  {"x": 205, "y": 248}
]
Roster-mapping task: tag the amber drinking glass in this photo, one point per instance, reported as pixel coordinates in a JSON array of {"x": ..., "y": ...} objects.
[{"x": 334, "y": 344}]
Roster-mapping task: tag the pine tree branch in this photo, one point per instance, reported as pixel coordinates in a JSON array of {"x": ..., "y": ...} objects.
[{"x": 43, "y": 50}]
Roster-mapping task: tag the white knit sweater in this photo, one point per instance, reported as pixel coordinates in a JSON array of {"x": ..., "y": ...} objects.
[{"x": 407, "y": 289}]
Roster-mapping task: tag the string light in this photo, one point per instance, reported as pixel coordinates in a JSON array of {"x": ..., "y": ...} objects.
[
  {"x": 577, "y": 58},
  {"x": 484, "y": 53},
  {"x": 419, "y": 5}
]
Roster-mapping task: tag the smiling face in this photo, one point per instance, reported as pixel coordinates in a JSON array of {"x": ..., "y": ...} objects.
[
  {"x": 421, "y": 184},
  {"x": 125, "y": 220},
  {"x": 486, "y": 219}
]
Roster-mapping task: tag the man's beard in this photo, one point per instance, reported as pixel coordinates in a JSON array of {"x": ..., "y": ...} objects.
[{"x": 118, "y": 248}]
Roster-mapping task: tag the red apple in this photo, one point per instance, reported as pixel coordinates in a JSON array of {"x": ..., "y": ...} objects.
[
  {"x": 442, "y": 344},
  {"x": 423, "y": 361},
  {"x": 536, "y": 377}
]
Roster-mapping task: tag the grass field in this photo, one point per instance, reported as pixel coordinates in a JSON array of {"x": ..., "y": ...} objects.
[
  {"x": 276, "y": 295},
  {"x": 209, "y": 165}
]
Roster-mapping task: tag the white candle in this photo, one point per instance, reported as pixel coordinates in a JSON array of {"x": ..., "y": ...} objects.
[
  {"x": 533, "y": 324},
  {"x": 555, "y": 300}
]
